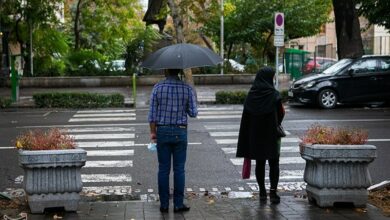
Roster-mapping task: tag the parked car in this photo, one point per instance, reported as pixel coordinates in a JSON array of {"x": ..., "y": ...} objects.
[
  {"x": 236, "y": 65},
  {"x": 117, "y": 65},
  {"x": 318, "y": 66},
  {"x": 360, "y": 80}
]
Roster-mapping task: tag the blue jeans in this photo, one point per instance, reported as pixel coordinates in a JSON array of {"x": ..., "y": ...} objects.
[{"x": 171, "y": 144}]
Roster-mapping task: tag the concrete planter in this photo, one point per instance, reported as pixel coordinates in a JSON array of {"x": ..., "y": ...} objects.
[
  {"x": 338, "y": 173},
  {"x": 52, "y": 178}
]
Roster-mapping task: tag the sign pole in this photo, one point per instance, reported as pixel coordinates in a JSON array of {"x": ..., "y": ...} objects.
[
  {"x": 278, "y": 42},
  {"x": 277, "y": 69}
]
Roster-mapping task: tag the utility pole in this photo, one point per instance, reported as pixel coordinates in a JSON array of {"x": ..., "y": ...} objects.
[{"x": 222, "y": 35}]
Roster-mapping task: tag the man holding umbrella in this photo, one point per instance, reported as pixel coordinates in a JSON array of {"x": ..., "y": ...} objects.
[{"x": 170, "y": 103}]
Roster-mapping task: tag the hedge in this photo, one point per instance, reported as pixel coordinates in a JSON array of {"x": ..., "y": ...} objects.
[
  {"x": 5, "y": 102},
  {"x": 77, "y": 100},
  {"x": 238, "y": 97}
]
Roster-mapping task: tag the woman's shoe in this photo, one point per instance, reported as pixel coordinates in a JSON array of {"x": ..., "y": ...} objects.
[
  {"x": 273, "y": 197},
  {"x": 263, "y": 195}
]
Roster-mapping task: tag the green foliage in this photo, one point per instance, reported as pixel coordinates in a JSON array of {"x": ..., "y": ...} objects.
[
  {"x": 251, "y": 22},
  {"x": 230, "y": 97},
  {"x": 376, "y": 11},
  {"x": 77, "y": 100},
  {"x": 5, "y": 102},
  {"x": 85, "y": 62},
  {"x": 143, "y": 39},
  {"x": 49, "y": 66}
]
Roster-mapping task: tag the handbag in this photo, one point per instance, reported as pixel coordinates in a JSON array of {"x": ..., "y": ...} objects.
[
  {"x": 246, "y": 168},
  {"x": 280, "y": 131}
]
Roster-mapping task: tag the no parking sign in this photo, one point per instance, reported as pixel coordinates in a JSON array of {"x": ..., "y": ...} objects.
[{"x": 279, "y": 30}]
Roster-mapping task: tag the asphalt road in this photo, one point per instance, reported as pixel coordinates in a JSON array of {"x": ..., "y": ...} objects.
[{"x": 121, "y": 159}]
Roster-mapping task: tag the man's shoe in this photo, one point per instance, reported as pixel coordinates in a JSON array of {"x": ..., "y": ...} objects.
[
  {"x": 164, "y": 210},
  {"x": 273, "y": 197},
  {"x": 182, "y": 209}
]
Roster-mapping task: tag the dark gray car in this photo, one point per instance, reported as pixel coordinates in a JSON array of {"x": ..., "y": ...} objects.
[{"x": 360, "y": 80}]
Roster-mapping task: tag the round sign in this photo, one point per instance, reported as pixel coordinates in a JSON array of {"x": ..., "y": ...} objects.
[{"x": 279, "y": 20}]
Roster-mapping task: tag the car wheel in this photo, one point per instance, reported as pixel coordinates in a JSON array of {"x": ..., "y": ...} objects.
[{"x": 327, "y": 98}]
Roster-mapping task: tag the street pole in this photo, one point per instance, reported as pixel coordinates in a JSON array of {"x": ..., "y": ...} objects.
[
  {"x": 277, "y": 69},
  {"x": 222, "y": 35}
]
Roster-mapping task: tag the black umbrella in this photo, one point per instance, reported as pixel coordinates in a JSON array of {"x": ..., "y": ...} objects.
[{"x": 181, "y": 56}]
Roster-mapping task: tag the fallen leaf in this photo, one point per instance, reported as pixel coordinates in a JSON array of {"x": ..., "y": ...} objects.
[{"x": 57, "y": 216}]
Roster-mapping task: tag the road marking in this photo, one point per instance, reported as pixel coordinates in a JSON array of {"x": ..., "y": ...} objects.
[
  {"x": 219, "y": 112},
  {"x": 104, "y": 115},
  {"x": 224, "y": 133},
  {"x": 378, "y": 140},
  {"x": 46, "y": 114},
  {"x": 88, "y": 144},
  {"x": 109, "y": 163},
  {"x": 219, "y": 108},
  {"x": 101, "y": 119},
  {"x": 7, "y": 148},
  {"x": 282, "y": 160},
  {"x": 190, "y": 143},
  {"x": 105, "y": 178},
  {"x": 284, "y": 175},
  {"x": 234, "y": 141},
  {"x": 104, "y": 129},
  {"x": 102, "y": 136},
  {"x": 80, "y": 126},
  {"x": 104, "y": 153},
  {"x": 224, "y": 127},
  {"x": 104, "y": 111},
  {"x": 232, "y": 150},
  {"x": 218, "y": 116}
]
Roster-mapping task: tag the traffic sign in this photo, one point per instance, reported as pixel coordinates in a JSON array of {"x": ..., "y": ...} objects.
[{"x": 279, "y": 30}]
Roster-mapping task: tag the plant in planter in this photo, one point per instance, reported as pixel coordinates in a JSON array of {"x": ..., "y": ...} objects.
[
  {"x": 52, "y": 166},
  {"x": 337, "y": 165}
]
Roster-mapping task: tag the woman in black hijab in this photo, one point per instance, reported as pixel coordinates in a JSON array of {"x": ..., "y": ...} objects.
[{"x": 258, "y": 140}]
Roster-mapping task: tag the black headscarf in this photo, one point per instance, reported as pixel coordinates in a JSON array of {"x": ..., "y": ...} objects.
[{"x": 262, "y": 96}]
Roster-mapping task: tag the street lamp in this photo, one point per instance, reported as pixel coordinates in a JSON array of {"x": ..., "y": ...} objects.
[{"x": 222, "y": 30}]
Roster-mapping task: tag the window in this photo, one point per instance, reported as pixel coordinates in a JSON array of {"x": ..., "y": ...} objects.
[
  {"x": 384, "y": 65},
  {"x": 365, "y": 66}
]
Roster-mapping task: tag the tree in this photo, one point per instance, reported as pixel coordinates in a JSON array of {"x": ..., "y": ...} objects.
[
  {"x": 23, "y": 18},
  {"x": 251, "y": 21},
  {"x": 349, "y": 40},
  {"x": 376, "y": 11},
  {"x": 103, "y": 25}
]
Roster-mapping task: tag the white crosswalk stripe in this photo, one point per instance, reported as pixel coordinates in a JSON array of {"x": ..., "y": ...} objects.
[
  {"x": 114, "y": 142},
  {"x": 226, "y": 135}
]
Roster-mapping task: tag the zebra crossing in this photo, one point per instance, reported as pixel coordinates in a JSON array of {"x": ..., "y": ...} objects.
[
  {"x": 115, "y": 142},
  {"x": 225, "y": 134}
]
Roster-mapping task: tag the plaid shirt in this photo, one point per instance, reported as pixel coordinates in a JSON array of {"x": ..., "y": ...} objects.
[{"x": 170, "y": 102}]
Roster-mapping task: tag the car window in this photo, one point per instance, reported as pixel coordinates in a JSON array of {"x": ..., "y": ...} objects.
[
  {"x": 384, "y": 65},
  {"x": 338, "y": 66},
  {"x": 364, "y": 66}
]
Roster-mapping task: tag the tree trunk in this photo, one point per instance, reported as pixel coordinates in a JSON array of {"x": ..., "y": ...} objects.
[
  {"x": 178, "y": 23},
  {"x": 76, "y": 26},
  {"x": 349, "y": 40}
]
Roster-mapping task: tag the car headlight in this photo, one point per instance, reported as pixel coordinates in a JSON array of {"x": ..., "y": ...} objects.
[{"x": 309, "y": 84}]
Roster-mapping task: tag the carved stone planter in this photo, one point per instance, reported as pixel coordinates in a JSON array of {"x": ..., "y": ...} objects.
[
  {"x": 52, "y": 178},
  {"x": 338, "y": 173}
]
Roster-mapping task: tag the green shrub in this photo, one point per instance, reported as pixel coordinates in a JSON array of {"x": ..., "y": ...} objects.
[
  {"x": 77, "y": 100},
  {"x": 238, "y": 97},
  {"x": 48, "y": 66},
  {"x": 230, "y": 97},
  {"x": 5, "y": 102}
]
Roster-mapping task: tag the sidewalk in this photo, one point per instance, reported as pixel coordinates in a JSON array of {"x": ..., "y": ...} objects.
[{"x": 209, "y": 207}]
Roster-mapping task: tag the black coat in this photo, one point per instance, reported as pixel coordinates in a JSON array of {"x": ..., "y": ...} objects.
[{"x": 257, "y": 137}]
